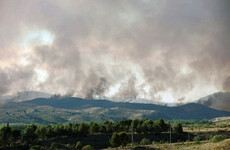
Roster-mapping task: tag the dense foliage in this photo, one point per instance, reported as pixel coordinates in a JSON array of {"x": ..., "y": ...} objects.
[{"x": 32, "y": 134}]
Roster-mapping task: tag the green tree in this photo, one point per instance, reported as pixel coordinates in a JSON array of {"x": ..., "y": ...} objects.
[
  {"x": 41, "y": 132},
  {"x": 102, "y": 128},
  {"x": 59, "y": 130},
  {"x": 178, "y": 128},
  {"x": 94, "y": 128},
  {"x": 108, "y": 126},
  {"x": 5, "y": 135},
  {"x": 50, "y": 132},
  {"x": 124, "y": 138},
  {"x": 139, "y": 128},
  {"x": 144, "y": 127},
  {"x": 119, "y": 139},
  {"x": 163, "y": 126},
  {"x": 29, "y": 135},
  {"x": 83, "y": 129},
  {"x": 16, "y": 134},
  {"x": 115, "y": 141}
]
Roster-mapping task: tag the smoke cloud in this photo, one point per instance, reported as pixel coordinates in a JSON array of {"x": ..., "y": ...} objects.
[{"x": 161, "y": 50}]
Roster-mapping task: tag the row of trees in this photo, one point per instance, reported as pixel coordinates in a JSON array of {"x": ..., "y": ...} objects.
[{"x": 34, "y": 133}]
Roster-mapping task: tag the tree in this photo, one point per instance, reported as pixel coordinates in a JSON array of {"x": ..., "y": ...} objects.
[
  {"x": 144, "y": 128},
  {"x": 59, "y": 130},
  {"x": 124, "y": 139},
  {"x": 108, "y": 126},
  {"x": 16, "y": 134},
  {"x": 41, "y": 132},
  {"x": 119, "y": 139},
  {"x": 94, "y": 128},
  {"x": 114, "y": 141},
  {"x": 178, "y": 128},
  {"x": 29, "y": 135},
  {"x": 5, "y": 135},
  {"x": 102, "y": 129},
  {"x": 49, "y": 132},
  {"x": 83, "y": 129},
  {"x": 139, "y": 128},
  {"x": 162, "y": 125}
]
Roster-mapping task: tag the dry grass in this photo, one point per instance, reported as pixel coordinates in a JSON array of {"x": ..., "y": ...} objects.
[
  {"x": 185, "y": 129},
  {"x": 223, "y": 145}
]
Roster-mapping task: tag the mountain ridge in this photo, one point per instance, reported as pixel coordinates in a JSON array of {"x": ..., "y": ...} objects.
[
  {"x": 219, "y": 101},
  {"x": 50, "y": 110}
]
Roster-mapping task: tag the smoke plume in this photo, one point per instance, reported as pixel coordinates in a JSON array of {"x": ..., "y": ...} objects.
[{"x": 161, "y": 49}]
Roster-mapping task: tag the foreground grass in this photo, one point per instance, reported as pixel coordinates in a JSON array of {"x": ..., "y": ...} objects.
[{"x": 205, "y": 145}]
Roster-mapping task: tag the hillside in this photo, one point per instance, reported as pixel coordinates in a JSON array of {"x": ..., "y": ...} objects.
[
  {"x": 43, "y": 110},
  {"x": 219, "y": 101},
  {"x": 23, "y": 96}
]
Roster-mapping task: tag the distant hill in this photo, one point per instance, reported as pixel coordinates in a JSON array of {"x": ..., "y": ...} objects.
[
  {"x": 23, "y": 96},
  {"x": 219, "y": 101},
  {"x": 50, "y": 110}
]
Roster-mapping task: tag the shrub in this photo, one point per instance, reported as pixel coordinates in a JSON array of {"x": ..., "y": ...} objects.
[
  {"x": 36, "y": 147},
  {"x": 87, "y": 147},
  {"x": 178, "y": 128},
  {"x": 197, "y": 139},
  {"x": 154, "y": 142},
  {"x": 145, "y": 141},
  {"x": 69, "y": 145},
  {"x": 78, "y": 145},
  {"x": 53, "y": 146},
  {"x": 217, "y": 138},
  {"x": 119, "y": 139}
]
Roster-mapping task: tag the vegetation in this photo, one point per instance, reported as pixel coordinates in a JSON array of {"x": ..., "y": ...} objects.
[
  {"x": 145, "y": 141},
  {"x": 78, "y": 145},
  {"x": 197, "y": 139},
  {"x": 72, "y": 135},
  {"x": 65, "y": 109},
  {"x": 119, "y": 139},
  {"x": 87, "y": 147},
  {"x": 217, "y": 138}
]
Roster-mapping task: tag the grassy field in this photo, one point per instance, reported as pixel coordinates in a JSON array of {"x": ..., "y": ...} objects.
[{"x": 205, "y": 145}]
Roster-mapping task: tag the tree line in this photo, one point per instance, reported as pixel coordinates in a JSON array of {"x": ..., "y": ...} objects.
[{"x": 34, "y": 133}]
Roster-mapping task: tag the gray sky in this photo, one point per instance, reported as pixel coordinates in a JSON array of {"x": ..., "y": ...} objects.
[{"x": 155, "y": 49}]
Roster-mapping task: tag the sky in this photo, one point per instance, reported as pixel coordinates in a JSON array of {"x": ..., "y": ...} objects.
[{"x": 161, "y": 50}]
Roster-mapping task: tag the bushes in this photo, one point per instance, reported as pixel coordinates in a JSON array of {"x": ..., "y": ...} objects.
[
  {"x": 87, "y": 147},
  {"x": 145, "y": 141},
  {"x": 53, "y": 146},
  {"x": 217, "y": 138},
  {"x": 37, "y": 147},
  {"x": 178, "y": 128},
  {"x": 119, "y": 139},
  {"x": 78, "y": 145},
  {"x": 197, "y": 139},
  {"x": 8, "y": 135}
]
